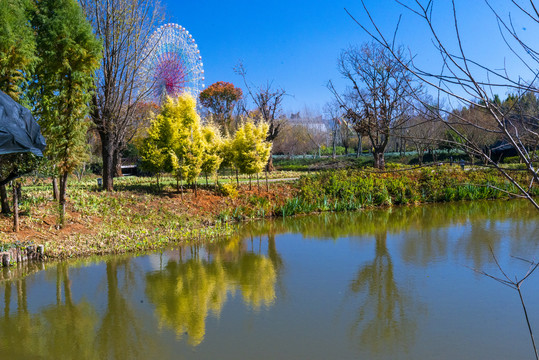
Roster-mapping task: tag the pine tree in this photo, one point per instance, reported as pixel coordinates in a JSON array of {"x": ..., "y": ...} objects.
[{"x": 69, "y": 56}]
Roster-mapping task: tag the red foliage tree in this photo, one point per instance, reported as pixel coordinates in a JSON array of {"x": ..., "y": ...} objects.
[{"x": 220, "y": 98}]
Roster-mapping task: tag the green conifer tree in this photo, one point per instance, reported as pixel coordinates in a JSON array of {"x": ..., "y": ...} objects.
[
  {"x": 69, "y": 55},
  {"x": 17, "y": 47},
  {"x": 17, "y": 59}
]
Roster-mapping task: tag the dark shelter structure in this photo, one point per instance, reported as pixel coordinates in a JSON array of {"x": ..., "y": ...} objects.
[{"x": 19, "y": 133}]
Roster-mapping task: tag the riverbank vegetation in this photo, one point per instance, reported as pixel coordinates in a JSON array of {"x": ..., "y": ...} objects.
[{"x": 141, "y": 216}]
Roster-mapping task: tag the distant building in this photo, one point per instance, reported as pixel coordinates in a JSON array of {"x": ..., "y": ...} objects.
[{"x": 315, "y": 123}]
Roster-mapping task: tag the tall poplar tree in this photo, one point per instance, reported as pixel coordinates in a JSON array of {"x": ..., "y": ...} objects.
[{"x": 69, "y": 55}]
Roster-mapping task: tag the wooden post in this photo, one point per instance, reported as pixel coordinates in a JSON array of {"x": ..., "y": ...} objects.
[
  {"x": 55, "y": 191},
  {"x": 30, "y": 253},
  {"x": 15, "y": 208},
  {"x": 5, "y": 259}
]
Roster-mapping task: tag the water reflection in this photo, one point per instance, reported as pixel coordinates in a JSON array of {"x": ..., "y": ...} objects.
[
  {"x": 191, "y": 286},
  {"x": 349, "y": 285},
  {"x": 121, "y": 333},
  {"x": 386, "y": 318},
  {"x": 431, "y": 232},
  {"x": 66, "y": 329}
]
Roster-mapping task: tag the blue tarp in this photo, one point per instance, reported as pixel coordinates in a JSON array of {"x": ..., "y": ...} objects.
[{"x": 19, "y": 131}]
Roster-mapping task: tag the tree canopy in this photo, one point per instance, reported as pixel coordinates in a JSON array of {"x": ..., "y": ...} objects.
[{"x": 220, "y": 98}]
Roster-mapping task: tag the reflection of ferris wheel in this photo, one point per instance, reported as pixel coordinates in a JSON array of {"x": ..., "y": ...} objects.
[{"x": 173, "y": 63}]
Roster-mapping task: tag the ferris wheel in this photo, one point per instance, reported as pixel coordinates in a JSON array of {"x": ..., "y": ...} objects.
[{"x": 173, "y": 64}]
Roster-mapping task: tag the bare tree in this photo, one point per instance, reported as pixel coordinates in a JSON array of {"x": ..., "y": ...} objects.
[
  {"x": 125, "y": 27},
  {"x": 334, "y": 116},
  {"x": 317, "y": 130},
  {"x": 268, "y": 102},
  {"x": 478, "y": 126},
  {"x": 469, "y": 83},
  {"x": 423, "y": 129},
  {"x": 293, "y": 140},
  {"x": 376, "y": 102}
]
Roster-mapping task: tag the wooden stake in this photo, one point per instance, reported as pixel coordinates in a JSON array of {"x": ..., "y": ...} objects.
[{"x": 15, "y": 207}]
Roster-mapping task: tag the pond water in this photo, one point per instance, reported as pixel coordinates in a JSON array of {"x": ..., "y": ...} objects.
[{"x": 384, "y": 284}]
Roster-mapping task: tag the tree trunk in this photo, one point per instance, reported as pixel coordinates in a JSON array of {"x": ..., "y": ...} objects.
[
  {"x": 107, "y": 150},
  {"x": 359, "y": 146},
  {"x": 55, "y": 195},
  {"x": 4, "y": 200},
  {"x": 181, "y": 186},
  {"x": 15, "y": 207},
  {"x": 419, "y": 154},
  {"x": 269, "y": 165},
  {"x": 334, "y": 154},
  {"x": 258, "y": 182},
  {"x": 379, "y": 160},
  {"x": 62, "y": 198},
  {"x": 117, "y": 163},
  {"x": 237, "y": 178}
]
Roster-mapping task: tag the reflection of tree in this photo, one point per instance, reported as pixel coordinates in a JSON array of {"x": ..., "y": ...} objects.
[
  {"x": 478, "y": 242},
  {"x": 395, "y": 220},
  {"x": 69, "y": 327},
  {"x": 256, "y": 276},
  {"x": 382, "y": 319},
  {"x": 186, "y": 291},
  {"x": 434, "y": 230},
  {"x": 17, "y": 328},
  {"x": 121, "y": 334},
  {"x": 61, "y": 331}
]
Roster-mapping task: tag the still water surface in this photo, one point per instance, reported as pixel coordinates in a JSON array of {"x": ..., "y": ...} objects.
[{"x": 385, "y": 284}]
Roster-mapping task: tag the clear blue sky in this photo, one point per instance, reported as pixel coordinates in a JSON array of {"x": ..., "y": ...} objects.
[{"x": 296, "y": 43}]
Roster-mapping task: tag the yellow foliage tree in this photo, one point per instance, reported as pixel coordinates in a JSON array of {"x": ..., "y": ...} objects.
[
  {"x": 211, "y": 155},
  {"x": 249, "y": 147},
  {"x": 178, "y": 143},
  {"x": 190, "y": 145},
  {"x": 157, "y": 149}
]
